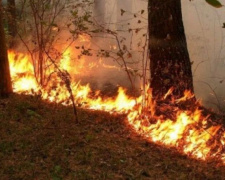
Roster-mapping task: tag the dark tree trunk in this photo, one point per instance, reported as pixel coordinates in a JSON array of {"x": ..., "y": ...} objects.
[
  {"x": 12, "y": 20},
  {"x": 5, "y": 80},
  {"x": 170, "y": 64}
]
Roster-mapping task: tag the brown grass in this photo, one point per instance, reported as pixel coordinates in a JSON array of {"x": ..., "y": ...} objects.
[{"x": 39, "y": 141}]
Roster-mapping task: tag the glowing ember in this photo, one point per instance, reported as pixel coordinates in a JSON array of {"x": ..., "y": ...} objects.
[{"x": 189, "y": 132}]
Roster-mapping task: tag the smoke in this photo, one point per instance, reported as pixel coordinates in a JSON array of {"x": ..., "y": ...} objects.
[
  {"x": 127, "y": 26},
  {"x": 127, "y": 19},
  {"x": 101, "y": 72},
  {"x": 206, "y": 42},
  {"x": 205, "y": 38}
]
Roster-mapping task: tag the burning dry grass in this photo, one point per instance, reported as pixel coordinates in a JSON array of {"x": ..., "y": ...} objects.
[
  {"x": 168, "y": 124},
  {"x": 40, "y": 141}
]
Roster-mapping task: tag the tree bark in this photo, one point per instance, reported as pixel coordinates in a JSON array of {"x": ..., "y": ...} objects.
[
  {"x": 170, "y": 64},
  {"x": 12, "y": 17},
  {"x": 5, "y": 80}
]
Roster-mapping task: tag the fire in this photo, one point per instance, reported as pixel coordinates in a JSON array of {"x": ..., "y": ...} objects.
[
  {"x": 122, "y": 103},
  {"x": 22, "y": 73},
  {"x": 84, "y": 38},
  {"x": 187, "y": 133},
  {"x": 190, "y": 132}
]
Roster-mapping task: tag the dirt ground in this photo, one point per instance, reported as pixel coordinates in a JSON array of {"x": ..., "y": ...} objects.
[{"x": 39, "y": 141}]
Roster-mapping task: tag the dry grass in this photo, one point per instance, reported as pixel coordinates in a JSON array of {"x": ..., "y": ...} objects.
[{"x": 39, "y": 141}]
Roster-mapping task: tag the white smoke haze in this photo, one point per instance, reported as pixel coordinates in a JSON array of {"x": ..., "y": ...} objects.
[
  {"x": 121, "y": 17},
  {"x": 206, "y": 42},
  {"x": 98, "y": 71},
  {"x": 204, "y": 34},
  {"x": 205, "y": 38}
]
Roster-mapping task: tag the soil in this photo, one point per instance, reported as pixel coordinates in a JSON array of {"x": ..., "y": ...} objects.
[{"x": 39, "y": 140}]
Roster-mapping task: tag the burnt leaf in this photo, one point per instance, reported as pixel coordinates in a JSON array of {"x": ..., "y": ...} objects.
[
  {"x": 223, "y": 25},
  {"x": 122, "y": 12}
]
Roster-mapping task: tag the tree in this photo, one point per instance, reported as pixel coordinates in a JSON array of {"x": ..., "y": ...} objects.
[
  {"x": 170, "y": 64},
  {"x": 12, "y": 17},
  {"x": 12, "y": 21},
  {"x": 40, "y": 19},
  {"x": 5, "y": 80}
]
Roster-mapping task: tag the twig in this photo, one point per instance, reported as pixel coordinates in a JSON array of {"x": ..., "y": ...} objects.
[{"x": 65, "y": 77}]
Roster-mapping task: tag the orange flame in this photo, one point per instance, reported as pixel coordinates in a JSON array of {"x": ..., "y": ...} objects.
[
  {"x": 22, "y": 73},
  {"x": 188, "y": 131}
]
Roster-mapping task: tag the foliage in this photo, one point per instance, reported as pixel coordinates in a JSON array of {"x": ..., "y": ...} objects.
[
  {"x": 44, "y": 30},
  {"x": 214, "y": 3},
  {"x": 48, "y": 28}
]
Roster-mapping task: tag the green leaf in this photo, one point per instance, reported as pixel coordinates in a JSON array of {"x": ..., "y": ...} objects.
[
  {"x": 57, "y": 169},
  {"x": 33, "y": 114},
  {"x": 54, "y": 25},
  {"x": 214, "y": 3}
]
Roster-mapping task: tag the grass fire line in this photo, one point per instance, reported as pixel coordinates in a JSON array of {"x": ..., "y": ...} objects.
[{"x": 189, "y": 131}]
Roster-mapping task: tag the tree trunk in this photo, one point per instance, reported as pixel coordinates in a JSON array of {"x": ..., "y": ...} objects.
[
  {"x": 12, "y": 17},
  {"x": 12, "y": 20},
  {"x": 170, "y": 64},
  {"x": 5, "y": 80}
]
